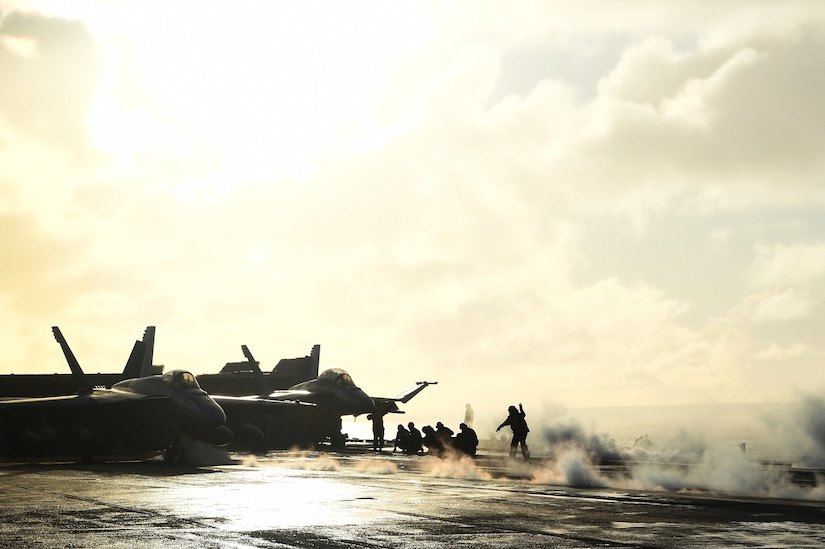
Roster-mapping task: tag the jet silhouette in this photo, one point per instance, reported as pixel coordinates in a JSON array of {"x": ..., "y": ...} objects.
[{"x": 136, "y": 418}]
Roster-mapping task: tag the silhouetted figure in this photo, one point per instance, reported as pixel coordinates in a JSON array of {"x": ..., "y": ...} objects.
[
  {"x": 415, "y": 439},
  {"x": 377, "y": 430},
  {"x": 469, "y": 415},
  {"x": 444, "y": 434},
  {"x": 402, "y": 439},
  {"x": 518, "y": 424},
  {"x": 433, "y": 442},
  {"x": 466, "y": 441},
  {"x": 643, "y": 442}
]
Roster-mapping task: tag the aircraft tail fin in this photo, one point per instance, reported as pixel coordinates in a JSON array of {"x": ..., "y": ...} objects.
[
  {"x": 83, "y": 383},
  {"x": 260, "y": 380},
  {"x": 148, "y": 357},
  {"x": 141, "y": 356},
  {"x": 315, "y": 360},
  {"x": 298, "y": 370},
  {"x": 135, "y": 362}
]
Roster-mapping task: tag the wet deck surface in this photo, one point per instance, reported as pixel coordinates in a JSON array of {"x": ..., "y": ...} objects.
[{"x": 357, "y": 499}]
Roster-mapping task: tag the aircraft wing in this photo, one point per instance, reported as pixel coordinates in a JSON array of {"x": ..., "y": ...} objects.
[
  {"x": 293, "y": 394},
  {"x": 258, "y": 423},
  {"x": 95, "y": 398},
  {"x": 413, "y": 390},
  {"x": 236, "y": 401},
  {"x": 390, "y": 404},
  {"x": 244, "y": 405},
  {"x": 44, "y": 402}
]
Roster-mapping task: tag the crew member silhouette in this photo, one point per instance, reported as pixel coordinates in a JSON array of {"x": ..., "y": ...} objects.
[
  {"x": 377, "y": 419},
  {"x": 466, "y": 441},
  {"x": 469, "y": 415},
  {"x": 402, "y": 439},
  {"x": 444, "y": 433},
  {"x": 515, "y": 419},
  {"x": 414, "y": 446},
  {"x": 434, "y": 443}
]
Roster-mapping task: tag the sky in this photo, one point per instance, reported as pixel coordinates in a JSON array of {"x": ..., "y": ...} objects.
[{"x": 589, "y": 203}]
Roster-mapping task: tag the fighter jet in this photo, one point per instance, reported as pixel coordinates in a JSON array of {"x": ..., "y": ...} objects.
[
  {"x": 250, "y": 421},
  {"x": 136, "y": 418},
  {"x": 332, "y": 394}
]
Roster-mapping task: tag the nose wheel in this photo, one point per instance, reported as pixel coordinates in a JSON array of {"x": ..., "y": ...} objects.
[{"x": 174, "y": 454}]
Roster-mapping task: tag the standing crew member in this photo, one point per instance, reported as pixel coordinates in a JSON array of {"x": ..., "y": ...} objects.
[
  {"x": 515, "y": 419},
  {"x": 377, "y": 430}
]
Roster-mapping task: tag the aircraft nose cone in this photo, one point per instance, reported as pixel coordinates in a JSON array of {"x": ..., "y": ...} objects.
[
  {"x": 214, "y": 415},
  {"x": 355, "y": 402},
  {"x": 365, "y": 403},
  {"x": 206, "y": 413}
]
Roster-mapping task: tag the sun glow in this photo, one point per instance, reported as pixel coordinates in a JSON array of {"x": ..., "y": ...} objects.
[{"x": 258, "y": 90}]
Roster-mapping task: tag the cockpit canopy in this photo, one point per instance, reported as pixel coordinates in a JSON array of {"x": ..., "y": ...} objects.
[
  {"x": 337, "y": 376},
  {"x": 181, "y": 379},
  {"x": 168, "y": 384}
]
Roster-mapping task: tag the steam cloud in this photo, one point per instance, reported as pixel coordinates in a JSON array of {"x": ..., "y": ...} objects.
[
  {"x": 688, "y": 461},
  {"x": 684, "y": 460},
  {"x": 805, "y": 432}
]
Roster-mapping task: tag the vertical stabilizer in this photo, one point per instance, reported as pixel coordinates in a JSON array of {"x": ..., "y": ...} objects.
[
  {"x": 80, "y": 378},
  {"x": 149, "y": 340},
  {"x": 135, "y": 362},
  {"x": 298, "y": 370},
  {"x": 260, "y": 379},
  {"x": 315, "y": 361}
]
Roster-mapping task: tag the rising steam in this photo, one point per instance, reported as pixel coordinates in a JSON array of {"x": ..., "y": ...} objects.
[
  {"x": 684, "y": 459},
  {"x": 455, "y": 465},
  {"x": 687, "y": 460}
]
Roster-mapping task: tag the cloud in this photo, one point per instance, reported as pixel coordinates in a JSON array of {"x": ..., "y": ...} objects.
[
  {"x": 786, "y": 305},
  {"x": 773, "y": 351},
  {"x": 422, "y": 209},
  {"x": 699, "y": 126},
  {"x": 667, "y": 125},
  {"x": 719, "y": 239},
  {"x": 33, "y": 261},
  {"x": 54, "y": 77},
  {"x": 797, "y": 264}
]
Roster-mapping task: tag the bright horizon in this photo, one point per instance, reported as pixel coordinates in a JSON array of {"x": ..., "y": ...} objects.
[{"x": 576, "y": 204}]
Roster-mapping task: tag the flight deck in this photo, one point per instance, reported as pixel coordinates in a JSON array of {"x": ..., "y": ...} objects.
[{"x": 356, "y": 498}]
